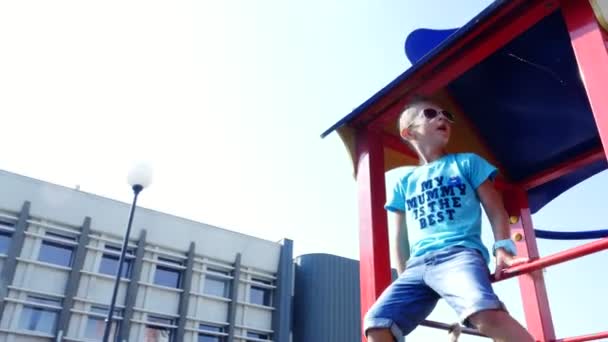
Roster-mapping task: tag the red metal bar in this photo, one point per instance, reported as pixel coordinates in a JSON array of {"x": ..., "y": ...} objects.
[
  {"x": 589, "y": 47},
  {"x": 590, "y": 337},
  {"x": 447, "y": 327},
  {"x": 514, "y": 19},
  {"x": 375, "y": 273},
  {"x": 532, "y": 285},
  {"x": 563, "y": 169},
  {"x": 557, "y": 258}
]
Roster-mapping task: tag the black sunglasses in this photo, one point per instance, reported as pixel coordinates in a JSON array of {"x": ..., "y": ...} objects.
[{"x": 431, "y": 113}]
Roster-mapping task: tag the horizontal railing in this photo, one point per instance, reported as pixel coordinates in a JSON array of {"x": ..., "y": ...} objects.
[
  {"x": 535, "y": 265},
  {"x": 554, "y": 259},
  {"x": 448, "y": 327},
  {"x": 590, "y": 337}
]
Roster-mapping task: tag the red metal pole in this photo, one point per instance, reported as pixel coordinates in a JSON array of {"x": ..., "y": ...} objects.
[
  {"x": 590, "y": 337},
  {"x": 557, "y": 258},
  {"x": 589, "y": 45},
  {"x": 375, "y": 273},
  {"x": 532, "y": 285}
]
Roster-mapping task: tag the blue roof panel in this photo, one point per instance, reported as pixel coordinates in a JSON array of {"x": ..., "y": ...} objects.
[
  {"x": 530, "y": 107},
  {"x": 526, "y": 100}
]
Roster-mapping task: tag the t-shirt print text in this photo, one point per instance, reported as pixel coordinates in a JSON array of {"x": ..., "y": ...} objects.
[{"x": 437, "y": 200}]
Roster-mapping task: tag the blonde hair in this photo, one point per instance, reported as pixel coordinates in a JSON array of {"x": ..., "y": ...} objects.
[{"x": 410, "y": 111}]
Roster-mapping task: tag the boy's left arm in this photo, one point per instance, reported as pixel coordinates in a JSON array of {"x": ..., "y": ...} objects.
[{"x": 494, "y": 208}]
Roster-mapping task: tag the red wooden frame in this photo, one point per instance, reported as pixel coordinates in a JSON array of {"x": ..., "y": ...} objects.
[
  {"x": 590, "y": 47},
  {"x": 532, "y": 285},
  {"x": 375, "y": 272},
  {"x": 589, "y": 44}
]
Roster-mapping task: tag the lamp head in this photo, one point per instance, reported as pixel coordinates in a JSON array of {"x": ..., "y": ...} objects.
[{"x": 140, "y": 176}]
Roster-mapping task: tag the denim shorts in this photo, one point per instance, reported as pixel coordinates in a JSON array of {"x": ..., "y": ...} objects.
[{"x": 459, "y": 275}]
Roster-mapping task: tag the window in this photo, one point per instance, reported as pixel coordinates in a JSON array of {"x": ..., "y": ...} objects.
[
  {"x": 5, "y": 241},
  {"x": 5, "y": 235},
  {"x": 60, "y": 236},
  {"x": 158, "y": 333},
  {"x": 170, "y": 261},
  {"x": 7, "y": 224},
  {"x": 260, "y": 295},
  {"x": 259, "y": 336},
  {"x": 167, "y": 276},
  {"x": 96, "y": 326},
  {"x": 212, "y": 335},
  {"x": 56, "y": 252},
  {"x": 40, "y": 318},
  {"x": 109, "y": 262},
  {"x": 109, "y": 266},
  {"x": 96, "y": 323},
  {"x": 216, "y": 285},
  {"x": 161, "y": 320},
  {"x": 44, "y": 300}
]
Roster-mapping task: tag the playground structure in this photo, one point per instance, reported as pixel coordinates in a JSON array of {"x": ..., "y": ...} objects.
[{"x": 527, "y": 81}]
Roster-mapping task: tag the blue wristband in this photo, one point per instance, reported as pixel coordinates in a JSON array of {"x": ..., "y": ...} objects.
[{"x": 507, "y": 244}]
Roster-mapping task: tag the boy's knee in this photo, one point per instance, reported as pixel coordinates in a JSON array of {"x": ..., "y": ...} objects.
[{"x": 487, "y": 319}]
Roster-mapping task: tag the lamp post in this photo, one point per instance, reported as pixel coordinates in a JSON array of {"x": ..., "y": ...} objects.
[{"x": 139, "y": 178}]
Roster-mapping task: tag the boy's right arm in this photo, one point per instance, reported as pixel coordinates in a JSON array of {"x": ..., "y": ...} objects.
[{"x": 401, "y": 252}]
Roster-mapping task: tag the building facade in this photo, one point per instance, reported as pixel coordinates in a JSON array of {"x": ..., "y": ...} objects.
[
  {"x": 327, "y": 305},
  {"x": 182, "y": 280},
  {"x": 326, "y": 299}
]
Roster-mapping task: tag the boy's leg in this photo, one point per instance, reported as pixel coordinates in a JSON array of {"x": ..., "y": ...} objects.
[
  {"x": 461, "y": 276},
  {"x": 499, "y": 325},
  {"x": 401, "y": 307}
]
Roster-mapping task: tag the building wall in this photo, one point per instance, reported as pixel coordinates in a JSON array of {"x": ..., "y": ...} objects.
[
  {"x": 326, "y": 299},
  {"x": 327, "y": 306},
  {"x": 59, "y": 249}
]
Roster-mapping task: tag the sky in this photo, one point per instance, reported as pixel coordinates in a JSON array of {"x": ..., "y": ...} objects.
[{"x": 226, "y": 100}]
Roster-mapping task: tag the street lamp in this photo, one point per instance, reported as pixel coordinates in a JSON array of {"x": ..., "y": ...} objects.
[{"x": 139, "y": 178}]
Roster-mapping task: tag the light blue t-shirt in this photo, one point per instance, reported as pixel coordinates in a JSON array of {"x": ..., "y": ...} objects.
[{"x": 440, "y": 203}]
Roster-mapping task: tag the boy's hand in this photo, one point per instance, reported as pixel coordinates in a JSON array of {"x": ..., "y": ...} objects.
[{"x": 505, "y": 260}]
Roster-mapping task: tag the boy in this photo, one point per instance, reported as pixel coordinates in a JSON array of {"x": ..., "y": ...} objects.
[{"x": 437, "y": 205}]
